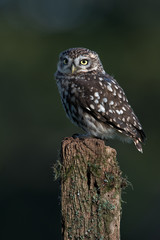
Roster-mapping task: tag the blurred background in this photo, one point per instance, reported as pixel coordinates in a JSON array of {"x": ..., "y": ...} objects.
[{"x": 126, "y": 35}]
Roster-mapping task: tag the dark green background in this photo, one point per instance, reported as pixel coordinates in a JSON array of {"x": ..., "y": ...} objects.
[{"x": 126, "y": 34}]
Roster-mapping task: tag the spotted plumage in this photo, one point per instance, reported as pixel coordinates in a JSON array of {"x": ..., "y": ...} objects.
[{"x": 93, "y": 100}]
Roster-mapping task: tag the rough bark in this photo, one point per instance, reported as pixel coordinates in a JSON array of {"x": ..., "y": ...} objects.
[{"x": 90, "y": 190}]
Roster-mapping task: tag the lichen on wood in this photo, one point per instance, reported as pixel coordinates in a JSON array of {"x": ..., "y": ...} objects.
[{"x": 91, "y": 185}]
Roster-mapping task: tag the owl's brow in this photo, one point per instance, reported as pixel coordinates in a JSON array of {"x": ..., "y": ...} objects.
[
  {"x": 93, "y": 55},
  {"x": 62, "y": 57}
]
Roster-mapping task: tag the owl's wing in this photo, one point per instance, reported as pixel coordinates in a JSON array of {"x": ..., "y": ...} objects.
[{"x": 103, "y": 98}]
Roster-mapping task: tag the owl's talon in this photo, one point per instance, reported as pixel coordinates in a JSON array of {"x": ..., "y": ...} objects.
[
  {"x": 81, "y": 136},
  {"x": 76, "y": 135}
]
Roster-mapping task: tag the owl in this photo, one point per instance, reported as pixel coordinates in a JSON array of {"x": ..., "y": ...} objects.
[{"x": 93, "y": 100}]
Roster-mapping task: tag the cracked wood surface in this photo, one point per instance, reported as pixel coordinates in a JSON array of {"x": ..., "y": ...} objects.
[{"x": 90, "y": 190}]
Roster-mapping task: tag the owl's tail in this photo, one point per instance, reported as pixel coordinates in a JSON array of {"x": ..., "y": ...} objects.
[
  {"x": 140, "y": 138},
  {"x": 138, "y": 145}
]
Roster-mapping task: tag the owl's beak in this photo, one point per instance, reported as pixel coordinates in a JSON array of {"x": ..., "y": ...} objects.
[{"x": 74, "y": 69}]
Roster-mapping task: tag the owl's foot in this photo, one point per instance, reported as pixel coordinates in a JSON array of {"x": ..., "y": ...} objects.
[{"x": 81, "y": 136}]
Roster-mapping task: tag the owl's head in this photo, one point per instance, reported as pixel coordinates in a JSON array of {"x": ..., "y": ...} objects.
[{"x": 79, "y": 60}]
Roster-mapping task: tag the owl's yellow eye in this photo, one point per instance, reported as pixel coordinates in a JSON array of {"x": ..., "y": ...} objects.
[
  {"x": 65, "y": 60},
  {"x": 84, "y": 62}
]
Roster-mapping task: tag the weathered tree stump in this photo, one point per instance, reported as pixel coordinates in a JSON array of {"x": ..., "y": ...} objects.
[{"x": 90, "y": 190}]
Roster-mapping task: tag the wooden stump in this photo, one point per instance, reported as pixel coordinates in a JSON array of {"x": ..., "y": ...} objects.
[{"x": 90, "y": 190}]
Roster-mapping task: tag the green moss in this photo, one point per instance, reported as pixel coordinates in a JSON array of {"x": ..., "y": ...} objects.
[
  {"x": 77, "y": 157},
  {"x": 68, "y": 173},
  {"x": 95, "y": 198},
  {"x": 57, "y": 170},
  {"x": 110, "y": 181},
  {"x": 94, "y": 169},
  {"x": 106, "y": 205},
  {"x": 125, "y": 183}
]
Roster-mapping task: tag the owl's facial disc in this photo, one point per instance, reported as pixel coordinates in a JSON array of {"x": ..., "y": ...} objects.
[
  {"x": 80, "y": 64},
  {"x": 64, "y": 65}
]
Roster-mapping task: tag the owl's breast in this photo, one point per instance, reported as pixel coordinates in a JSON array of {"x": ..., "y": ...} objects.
[{"x": 69, "y": 94}]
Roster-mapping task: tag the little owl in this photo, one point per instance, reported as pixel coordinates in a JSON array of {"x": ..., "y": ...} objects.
[{"x": 93, "y": 100}]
